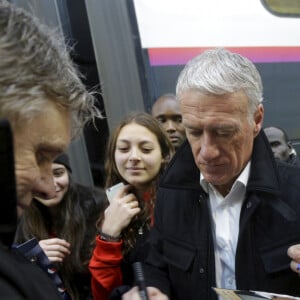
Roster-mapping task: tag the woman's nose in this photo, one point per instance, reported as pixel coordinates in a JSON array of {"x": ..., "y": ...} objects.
[{"x": 134, "y": 154}]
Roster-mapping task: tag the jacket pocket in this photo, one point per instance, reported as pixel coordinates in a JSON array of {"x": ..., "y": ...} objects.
[
  {"x": 274, "y": 255},
  {"x": 179, "y": 255}
]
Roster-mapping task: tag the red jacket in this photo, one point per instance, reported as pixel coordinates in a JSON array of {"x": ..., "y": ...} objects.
[{"x": 105, "y": 267}]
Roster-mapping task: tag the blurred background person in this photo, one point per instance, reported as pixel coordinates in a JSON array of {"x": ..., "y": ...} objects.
[
  {"x": 167, "y": 111},
  {"x": 281, "y": 145},
  {"x": 46, "y": 104},
  {"x": 43, "y": 98},
  {"x": 137, "y": 153},
  {"x": 65, "y": 227}
]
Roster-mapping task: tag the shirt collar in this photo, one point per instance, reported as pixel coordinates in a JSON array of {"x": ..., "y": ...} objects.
[{"x": 242, "y": 179}]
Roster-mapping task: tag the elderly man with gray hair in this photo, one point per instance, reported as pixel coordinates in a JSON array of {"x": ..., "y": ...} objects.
[
  {"x": 46, "y": 105},
  {"x": 225, "y": 214}
]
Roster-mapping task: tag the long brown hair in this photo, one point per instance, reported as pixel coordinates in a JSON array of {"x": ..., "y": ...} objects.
[
  {"x": 72, "y": 222},
  {"x": 113, "y": 176}
]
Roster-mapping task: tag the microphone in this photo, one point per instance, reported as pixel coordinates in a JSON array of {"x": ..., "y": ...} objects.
[{"x": 140, "y": 280}]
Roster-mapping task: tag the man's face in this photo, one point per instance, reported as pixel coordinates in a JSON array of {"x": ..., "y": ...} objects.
[
  {"x": 167, "y": 112},
  {"x": 220, "y": 134},
  {"x": 36, "y": 144},
  {"x": 279, "y": 145}
]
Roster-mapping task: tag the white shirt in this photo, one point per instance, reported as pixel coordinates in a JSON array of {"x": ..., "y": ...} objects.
[{"x": 225, "y": 216}]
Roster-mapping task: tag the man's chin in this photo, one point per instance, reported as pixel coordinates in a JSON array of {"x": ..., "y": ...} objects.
[
  {"x": 176, "y": 144},
  {"x": 20, "y": 209}
]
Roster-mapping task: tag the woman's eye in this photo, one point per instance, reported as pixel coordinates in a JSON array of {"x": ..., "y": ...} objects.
[
  {"x": 58, "y": 173},
  {"x": 122, "y": 147},
  {"x": 146, "y": 150}
]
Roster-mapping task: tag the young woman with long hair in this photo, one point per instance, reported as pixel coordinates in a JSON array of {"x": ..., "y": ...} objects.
[
  {"x": 138, "y": 151},
  {"x": 65, "y": 227}
]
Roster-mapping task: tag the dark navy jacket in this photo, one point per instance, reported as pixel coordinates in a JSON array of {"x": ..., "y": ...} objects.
[
  {"x": 181, "y": 260},
  {"x": 22, "y": 280}
]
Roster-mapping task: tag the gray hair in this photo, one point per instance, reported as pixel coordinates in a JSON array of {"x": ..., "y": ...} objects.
[
  {"x": 35, "y": 68},
  {"x": 221, "y": 72}
]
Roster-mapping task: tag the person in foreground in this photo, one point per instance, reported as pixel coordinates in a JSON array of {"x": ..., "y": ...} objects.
[
  {"x": 43, "y": 98},
  {"x": 137, "y": 153},
  {"x": 65, "y": 227},
  {"x": 225, "y": 214},
  {"x": 166, "y": 111}
]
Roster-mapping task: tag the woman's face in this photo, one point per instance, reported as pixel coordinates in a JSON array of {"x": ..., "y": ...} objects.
[
  {"x": 138, "y": 155},
  {"x": 61, "y": 182}
]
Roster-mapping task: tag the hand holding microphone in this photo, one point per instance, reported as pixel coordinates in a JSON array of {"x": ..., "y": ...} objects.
[{"x": 140, "y": 280}]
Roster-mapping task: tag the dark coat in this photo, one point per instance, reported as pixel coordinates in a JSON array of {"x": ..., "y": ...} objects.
[
  {"x": 182, "y": 249},
  {"x": 294, "y": 160},
  {"x": 23, "y": 280}
]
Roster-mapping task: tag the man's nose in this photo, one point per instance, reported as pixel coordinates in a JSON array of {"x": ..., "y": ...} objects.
[
  {"x": 170, "y": 126},
  {"x": 45, "y": 186},
  {"x": 209, "y": 148}
]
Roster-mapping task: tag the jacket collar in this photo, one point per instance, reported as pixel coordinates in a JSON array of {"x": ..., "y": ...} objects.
[
  {"x": 264, "y": 173},
  {"x": 183, "y": 173}
]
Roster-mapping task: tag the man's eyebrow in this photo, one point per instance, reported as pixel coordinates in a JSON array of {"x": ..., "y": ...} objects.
[
  {"x": 224, "y": 126},
  {"x": 168, "y": 115},
  {"x": 50, "y": 148},
  {"x": 160, "y": 116}
]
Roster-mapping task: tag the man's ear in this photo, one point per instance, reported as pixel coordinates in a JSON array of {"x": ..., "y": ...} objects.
[
  {"x": 258, "y": 119},
  {"x": 291, "y": 148}
]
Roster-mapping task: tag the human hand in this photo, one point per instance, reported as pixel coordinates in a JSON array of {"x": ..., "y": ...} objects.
[
  {"x": 56, "y": 249},
  {"x": 294, "y": 253},
  {"x": 123, "y": 207},
  {"x": 153, "y": 294}
]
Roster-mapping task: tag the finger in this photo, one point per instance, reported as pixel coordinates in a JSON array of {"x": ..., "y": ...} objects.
[
  {"x": 56, "y": 241},
  {"x": 54, "y": 247},
  {"x": 134, "y": 211},
  {"x": 132, "y": 294},
  {"x": 54, "y": 258},
  {"x": 294, "y": 252},
  {"x": 128, "y": 198},
  {"x": 295, "y": 266},
  {"x": 155, "y": 293},
  {"x": 132, "y": 204},
  {"x": 54, "y": 253},
  {"x": 122, "y": 191}
]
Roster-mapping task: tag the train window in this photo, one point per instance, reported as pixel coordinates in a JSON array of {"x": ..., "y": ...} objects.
[{"x": 287, "y": 8}]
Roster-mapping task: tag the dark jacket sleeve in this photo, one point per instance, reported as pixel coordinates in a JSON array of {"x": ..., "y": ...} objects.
[
  {"x": 155, "y": 268},
  {"x": 21, "y": 279}
]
